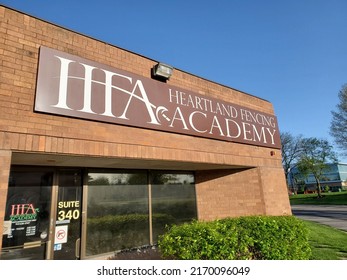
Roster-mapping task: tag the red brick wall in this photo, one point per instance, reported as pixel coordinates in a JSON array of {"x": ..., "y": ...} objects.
[
  {"x": 259, "y": 190},
  {"x": 232, "y": 193}
]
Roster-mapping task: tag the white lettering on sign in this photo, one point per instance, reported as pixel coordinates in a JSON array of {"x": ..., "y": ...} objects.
[
  {"x": 73, "y": 86},
  {"x": 88, "y": 81},
  {"x": 203, "y": 104}
]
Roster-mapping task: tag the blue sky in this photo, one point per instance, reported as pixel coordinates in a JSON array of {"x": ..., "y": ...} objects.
[{"x": 292, "y": 53}]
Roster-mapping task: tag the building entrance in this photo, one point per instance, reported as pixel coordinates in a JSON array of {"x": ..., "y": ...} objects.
[
  {"x": 27, "y": 214},
  {"x": 78, "y": 213},
  {"x": 43, "y": 214},
  {"x": 68, "y": 207}
]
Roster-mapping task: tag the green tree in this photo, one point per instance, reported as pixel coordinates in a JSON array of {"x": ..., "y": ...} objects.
[
  {"x": 338, "y": 126},
  {"x": 315, "y": 159},
  {"x": 291, "y": 151}
]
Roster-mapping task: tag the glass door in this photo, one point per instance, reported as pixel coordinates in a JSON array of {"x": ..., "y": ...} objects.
[
  {"x": 27, "y": 214},
  {"x": 67, "y": 232}
]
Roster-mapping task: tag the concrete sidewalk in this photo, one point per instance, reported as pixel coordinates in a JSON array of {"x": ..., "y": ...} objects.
[{"x": 331, "y": 215}]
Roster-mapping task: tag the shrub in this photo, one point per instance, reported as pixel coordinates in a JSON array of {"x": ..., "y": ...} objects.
[{"x": 244, "y": 238}]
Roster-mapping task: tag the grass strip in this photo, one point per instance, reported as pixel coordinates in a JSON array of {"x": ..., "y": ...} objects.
[
  {"x": 327, "y": 243},
  {"x": 338, "y": 198}
]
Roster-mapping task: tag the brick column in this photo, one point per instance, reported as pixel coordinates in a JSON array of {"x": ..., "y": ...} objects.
[
  {"x": 5, "y": 164},
  {"x": 229, "y": 193},
  {"x": 275, "y": 194}
]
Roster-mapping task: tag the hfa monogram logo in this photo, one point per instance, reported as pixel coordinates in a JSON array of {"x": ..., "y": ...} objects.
[
  {"x": 153, "y": 111},
  {"x": 25, "y": 211}
]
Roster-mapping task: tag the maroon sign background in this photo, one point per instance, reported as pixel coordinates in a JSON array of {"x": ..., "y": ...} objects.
[{"x": 72, "y": 86}]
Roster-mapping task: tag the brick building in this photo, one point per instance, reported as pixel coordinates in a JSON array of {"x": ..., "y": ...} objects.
[{"x": 98, "y": 155}]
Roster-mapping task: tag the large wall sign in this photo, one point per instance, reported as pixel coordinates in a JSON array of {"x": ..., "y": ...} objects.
[{"x": 72, "y": 86}]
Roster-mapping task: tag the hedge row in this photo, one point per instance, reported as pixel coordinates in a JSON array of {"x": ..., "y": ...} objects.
[{"x": 244, "y": 238}]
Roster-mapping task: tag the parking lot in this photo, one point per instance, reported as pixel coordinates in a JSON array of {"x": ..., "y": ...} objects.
[{"x": 332, "y": 215}]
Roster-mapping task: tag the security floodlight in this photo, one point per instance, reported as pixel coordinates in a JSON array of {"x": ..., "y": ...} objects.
[{"x": 162, "y": 71}]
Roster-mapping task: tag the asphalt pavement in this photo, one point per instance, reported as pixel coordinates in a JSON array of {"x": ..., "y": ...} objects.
[{"x": 331, "y": 215}]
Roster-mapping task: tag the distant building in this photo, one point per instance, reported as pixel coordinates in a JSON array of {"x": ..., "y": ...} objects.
[{"x": 334, "y": 177}]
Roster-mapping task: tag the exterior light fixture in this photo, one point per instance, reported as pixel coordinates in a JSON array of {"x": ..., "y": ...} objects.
[{"x": 162, "y": 71}]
